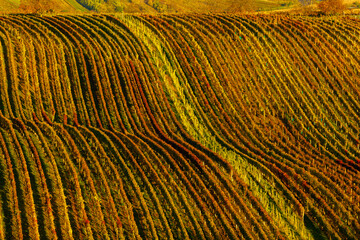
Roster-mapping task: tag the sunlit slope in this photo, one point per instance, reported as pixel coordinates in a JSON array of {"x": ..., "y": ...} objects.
[
  {"x": 73, "y": 4},
  {"x": 146, "y": 6},
  {"x": 8, "y": 5},
  {"x": 179, "y": 127},
  {"x": 14, "y": 6}
]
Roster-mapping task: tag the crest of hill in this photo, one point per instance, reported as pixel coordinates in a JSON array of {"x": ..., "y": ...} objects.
[
  {"x": 140, "y": 6},
  {"x": 153, "y": 6}
]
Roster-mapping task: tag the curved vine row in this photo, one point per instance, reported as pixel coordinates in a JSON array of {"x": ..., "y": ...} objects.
[{"x": 179, "y": 127}]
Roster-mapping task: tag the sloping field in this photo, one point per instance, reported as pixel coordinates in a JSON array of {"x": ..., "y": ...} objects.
[
  {"x": 143, "y": 6},
  {"x": 6, "y": 5},
  {"x": 179, "y": 127},
  {"x": 59, "y": 6}
]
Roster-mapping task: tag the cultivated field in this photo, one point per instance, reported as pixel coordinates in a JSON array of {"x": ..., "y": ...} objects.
[{"x": 179, "y": 127}]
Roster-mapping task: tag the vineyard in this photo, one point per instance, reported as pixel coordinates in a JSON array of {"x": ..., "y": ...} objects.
[{"x": 179, "y": 127}]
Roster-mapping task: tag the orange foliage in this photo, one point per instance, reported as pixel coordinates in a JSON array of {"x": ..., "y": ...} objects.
[
  {"x": 37, "y": 6},
  {"x": 331, "y": 6}
]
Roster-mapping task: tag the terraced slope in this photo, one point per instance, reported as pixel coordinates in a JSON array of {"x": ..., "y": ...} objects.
[{"x": 179, "y": 127}]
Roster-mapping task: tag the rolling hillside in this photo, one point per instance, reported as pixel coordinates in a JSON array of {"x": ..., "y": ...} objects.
[
  {"x": 145, "y": 6},
  {"x": 12, "y": 6},
  {"x": 179, "y": 127},
  {"x": 156, "y": 6}
]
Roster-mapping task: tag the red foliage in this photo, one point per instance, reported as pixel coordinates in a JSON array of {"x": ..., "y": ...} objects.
[
  {"x": 76, "y": 120},
  {"x": 118, "y": 222},
  {"x": 46, "y": 118},
  {"x": 305, "y": 185},
  {"x": 35, "y": 118},
  {"x": 65, "y": 119},
  {"x": 339, "y": 161}
]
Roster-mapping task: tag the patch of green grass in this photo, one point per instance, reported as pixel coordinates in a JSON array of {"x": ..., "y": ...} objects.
[
  {"x": 15, "y": 2},
  {"x": 270, "y": 5},
  {"x": 76, "y": 5}
]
